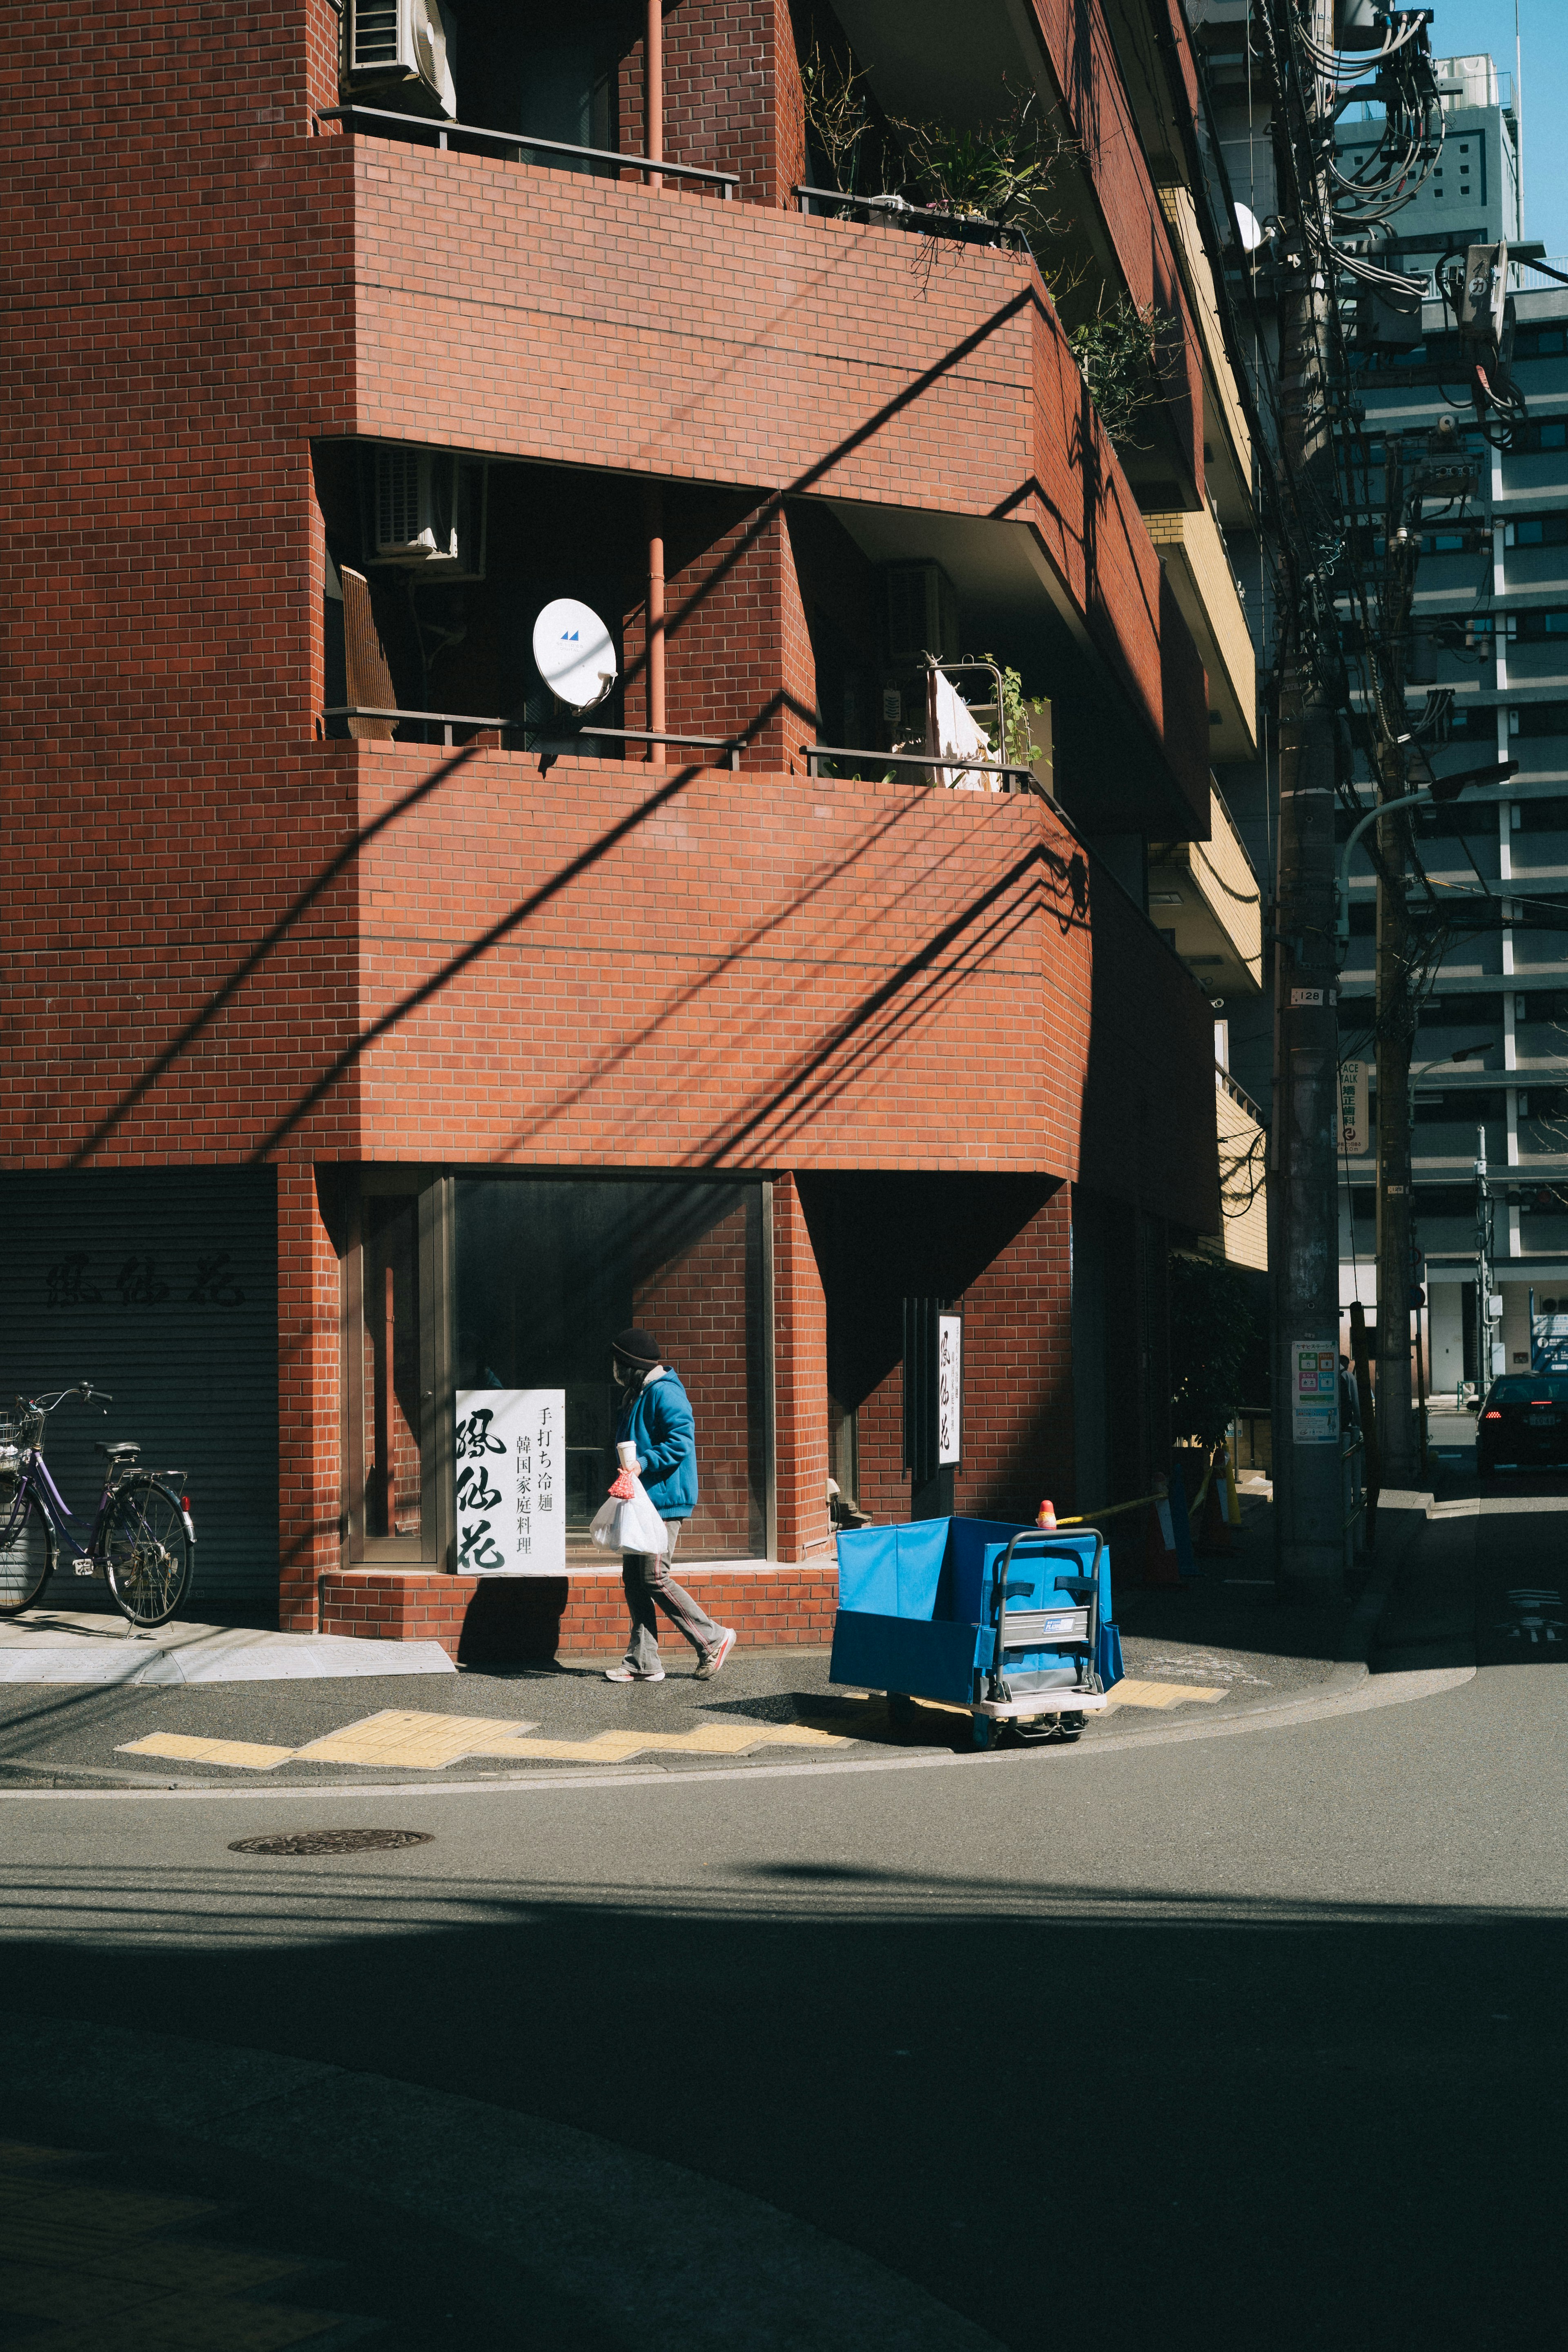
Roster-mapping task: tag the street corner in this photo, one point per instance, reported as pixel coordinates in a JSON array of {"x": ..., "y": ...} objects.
[{"x": 405, "y": 1739}]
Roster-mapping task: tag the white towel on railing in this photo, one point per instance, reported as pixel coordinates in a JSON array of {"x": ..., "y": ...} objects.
[{"x": 958, "y": 732}]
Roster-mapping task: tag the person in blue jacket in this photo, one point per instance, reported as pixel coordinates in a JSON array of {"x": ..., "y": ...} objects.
[{"x": 656, "y": 1418}]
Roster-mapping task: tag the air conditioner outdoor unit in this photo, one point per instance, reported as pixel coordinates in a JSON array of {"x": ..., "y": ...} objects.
[
  {"x": 427, "y": 512},
  {"x": 923, "y": 612},
  {"x": 404, "y": 49}
]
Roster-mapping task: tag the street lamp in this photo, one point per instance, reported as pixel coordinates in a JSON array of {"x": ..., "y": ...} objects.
[
  {"x": 1465, "y": 1054},
  {"x": 1439, "y": 788}
]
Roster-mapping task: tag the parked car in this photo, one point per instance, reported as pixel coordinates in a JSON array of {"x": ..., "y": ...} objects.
[{"x": 1523, "y": 1421}]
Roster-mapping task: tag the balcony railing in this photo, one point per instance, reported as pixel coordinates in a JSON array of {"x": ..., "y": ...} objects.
[
  {"x": 551, "y": 747},
  {"x": 963, "y": 229},
  {"x": 521, "y": 146},
  {"x": 1015, "y": 779}
]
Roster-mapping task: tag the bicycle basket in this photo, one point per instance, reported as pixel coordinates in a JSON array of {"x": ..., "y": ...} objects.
[{"x": 18, "y": 1433}]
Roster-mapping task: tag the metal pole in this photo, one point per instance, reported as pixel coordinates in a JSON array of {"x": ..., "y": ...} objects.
[
  {"x": 653, "y": 90},
  {"x": 1396, "y": 1014},
  {"x": 656, "y": 704},
  {"x": 1309, "y": 1509}
]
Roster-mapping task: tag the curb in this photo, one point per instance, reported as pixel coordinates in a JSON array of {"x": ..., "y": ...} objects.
[{"x": 1358, "y": 1639}]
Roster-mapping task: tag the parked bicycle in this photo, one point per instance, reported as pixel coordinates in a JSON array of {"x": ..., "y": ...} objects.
[{"x": 142, "y": 1538}]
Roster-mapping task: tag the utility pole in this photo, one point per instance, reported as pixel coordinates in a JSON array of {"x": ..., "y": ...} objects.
[
  {"x": 1484, "y": 1365},
  {"x": 1309, "y": 1506},
  {"x": 1395, "y": 1015}
]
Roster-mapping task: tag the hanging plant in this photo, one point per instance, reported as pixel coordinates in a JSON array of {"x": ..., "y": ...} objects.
[{"x": 1118, "y": 354}]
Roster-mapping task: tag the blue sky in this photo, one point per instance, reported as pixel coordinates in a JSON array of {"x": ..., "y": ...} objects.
[{"x": 1461, "y": 27}]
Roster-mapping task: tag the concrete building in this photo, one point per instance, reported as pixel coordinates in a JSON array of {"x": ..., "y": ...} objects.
[{"x": 360, "y": 1059}]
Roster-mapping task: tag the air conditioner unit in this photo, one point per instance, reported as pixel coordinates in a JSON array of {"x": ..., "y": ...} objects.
[
  {"x": 923, "y": 612},
  {"x": 405, "y": 49},
  {"x": 427, "y": 512}
]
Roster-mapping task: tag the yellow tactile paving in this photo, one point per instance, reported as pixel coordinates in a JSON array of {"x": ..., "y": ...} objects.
[
  {"x": 399, "y": 1736},
  {"x": 179, "y": 1748},
  {"x": 1136, "y": 1693},
  {"x": 407, "y": 1740}
]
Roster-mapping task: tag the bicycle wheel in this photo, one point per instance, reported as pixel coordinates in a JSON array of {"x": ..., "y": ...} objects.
[
  {"x": 26, "y": 1549},
  {"x": 147, "y": 1551}
]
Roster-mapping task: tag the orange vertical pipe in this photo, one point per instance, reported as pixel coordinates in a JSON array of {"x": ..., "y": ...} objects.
[
  {"x": 653, "y": 90},
  {"x": 656, "y": 705},
  {"x": 388, "y": 1347}
]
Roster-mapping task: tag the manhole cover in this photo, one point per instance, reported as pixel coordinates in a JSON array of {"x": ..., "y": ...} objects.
[{"x": 331, "y": 1841}]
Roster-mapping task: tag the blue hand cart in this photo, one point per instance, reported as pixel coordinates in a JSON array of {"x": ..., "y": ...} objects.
[{"x": 1012, "y": 1623}]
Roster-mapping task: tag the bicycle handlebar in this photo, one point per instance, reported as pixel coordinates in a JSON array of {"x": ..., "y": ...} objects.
[{"x": 83, "y": 1389}]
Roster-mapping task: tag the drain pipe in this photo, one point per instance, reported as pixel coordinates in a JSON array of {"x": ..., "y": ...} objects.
[
  {"x": 653, "y": 93},
  {"x": 654, "y": 509}
]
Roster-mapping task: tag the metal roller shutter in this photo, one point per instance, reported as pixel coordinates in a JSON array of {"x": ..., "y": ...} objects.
[{"x": 160, "y": 1286}]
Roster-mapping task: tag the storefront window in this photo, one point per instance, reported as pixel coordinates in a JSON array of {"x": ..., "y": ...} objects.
[
  {"x": 549, "y": 1269},
  {"x": 394, "y": 1484}
]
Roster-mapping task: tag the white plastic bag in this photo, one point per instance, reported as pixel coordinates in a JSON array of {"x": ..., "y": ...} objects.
[{"x": 627, "y": 1521}]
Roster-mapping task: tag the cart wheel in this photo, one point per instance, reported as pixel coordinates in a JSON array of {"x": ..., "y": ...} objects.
[
  {"x": 984, "y": 1731},
  {"x": 1069, "y": 1726},
  {"x": 900, "y": 1710}
]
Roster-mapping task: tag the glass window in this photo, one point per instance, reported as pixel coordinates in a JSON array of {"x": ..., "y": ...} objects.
[
  {"x": 1538, "y": 1390},
  {"x": 549, "y": 1269},
  {"x": 391, "y": 1456}
]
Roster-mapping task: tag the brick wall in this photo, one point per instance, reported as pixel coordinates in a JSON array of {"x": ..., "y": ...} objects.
[
  {"x": 800, "y": 1382},
  {"x": 790, "y": 353},
  {"x": 476, "y": 1618},
  {"x": 309, "y": 1400},
  {"x": 738, "y": 655},
  {"x": 1019, "y": 1426},
  {"x": 731, "y": 95},
  {"x": 696, "y": 1308},
  {"x": 1146, "y": 1118}
]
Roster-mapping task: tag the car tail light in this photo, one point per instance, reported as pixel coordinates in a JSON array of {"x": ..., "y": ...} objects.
[{"x": 1493, "y": 1415}]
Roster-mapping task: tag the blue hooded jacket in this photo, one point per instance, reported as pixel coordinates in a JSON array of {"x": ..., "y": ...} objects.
[{"x": 659, "y": 1421}]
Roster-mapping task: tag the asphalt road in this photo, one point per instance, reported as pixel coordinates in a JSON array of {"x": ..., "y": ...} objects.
[{"x": 1245, "y": 2037}]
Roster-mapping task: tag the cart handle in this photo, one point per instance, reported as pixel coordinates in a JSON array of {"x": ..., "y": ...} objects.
[{"x": 1040, "y": 1546}]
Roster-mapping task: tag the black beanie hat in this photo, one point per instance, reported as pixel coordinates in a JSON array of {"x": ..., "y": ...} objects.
[{"x": 638, "y": 1346}]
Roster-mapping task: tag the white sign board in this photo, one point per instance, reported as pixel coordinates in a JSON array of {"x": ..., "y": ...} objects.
[
  {"x": 949, "y": 1389},
  {"x": 1352, "y": 1121},
  {"x": 510, "y": 1464},
  {"x": 1314, "y": 1372}
]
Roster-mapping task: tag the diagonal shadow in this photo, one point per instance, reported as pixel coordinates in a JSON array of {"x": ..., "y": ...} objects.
[
  {"x": 1030, "y": 296},
  {"x": 361, "y": 838}
]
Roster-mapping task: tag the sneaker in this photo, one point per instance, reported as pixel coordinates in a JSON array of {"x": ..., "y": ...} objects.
[
  {"x": 714, "y": 1658},
  {"x": 634, "y": 1673}
]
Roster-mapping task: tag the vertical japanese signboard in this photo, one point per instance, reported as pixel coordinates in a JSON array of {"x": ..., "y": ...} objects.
[
  {"x": 510, "y": 1464},
  {"x": 1351, "y": 1126},
  {"x": 1315, "y": 1392},
  {"x": 949, "y": 1389}
]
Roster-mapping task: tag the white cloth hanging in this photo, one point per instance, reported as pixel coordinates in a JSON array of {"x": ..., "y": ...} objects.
[{"x": 957, "y": 732}]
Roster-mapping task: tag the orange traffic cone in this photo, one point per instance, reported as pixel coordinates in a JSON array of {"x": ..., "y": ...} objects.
[{"x": 1045, "y": 1518}]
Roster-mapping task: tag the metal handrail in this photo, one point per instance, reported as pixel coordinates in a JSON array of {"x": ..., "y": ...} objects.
[
  {"x": 967, "y": 227},
  {"x": 964, "y": 767},
  {"x": 554, "y": 747},
  {"x": 727, "y": 181},
  {"x": 731, "y": 745}
]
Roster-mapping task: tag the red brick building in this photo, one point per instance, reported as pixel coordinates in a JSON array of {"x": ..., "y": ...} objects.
[{"x": 348, "y": 1068}]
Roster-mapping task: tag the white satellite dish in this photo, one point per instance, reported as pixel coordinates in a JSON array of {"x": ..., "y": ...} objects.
[
  {"x": 572, "y": 649},
  {"x": 1250, "y": 227}
]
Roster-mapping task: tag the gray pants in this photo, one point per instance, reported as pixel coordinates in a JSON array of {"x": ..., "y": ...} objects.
[{"x": 644, "y": 1580}]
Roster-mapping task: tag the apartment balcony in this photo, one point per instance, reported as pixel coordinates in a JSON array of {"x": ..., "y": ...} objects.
[
  {"x": 1209, "y": 598},
  {"x": 1204, "y": 897},
  {"x": 1243, "y": 1197},
  {"x": 536, "y": 315}
]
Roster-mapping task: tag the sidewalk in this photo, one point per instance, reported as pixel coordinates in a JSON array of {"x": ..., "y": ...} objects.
[
  {"x": 214, "y": 1706},
  {"x": 67, "y": 1645}
]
